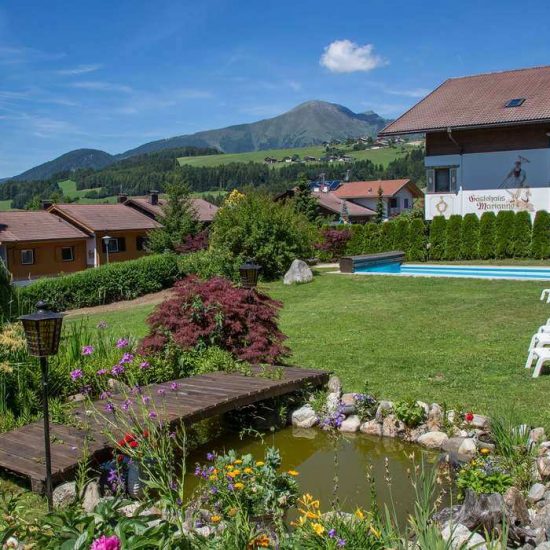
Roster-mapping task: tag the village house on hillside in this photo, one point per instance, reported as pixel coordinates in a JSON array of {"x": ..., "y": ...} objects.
[
  {"x": 35, "y": 244},
  {"x": 115, "y": 232},
  {"x": 152, "y": 206},
  {"x": 487, "y": 142}
]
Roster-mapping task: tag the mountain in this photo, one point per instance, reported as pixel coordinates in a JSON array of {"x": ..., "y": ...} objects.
[
  {"x": 310, "y": 123},
  {"x": 79, "y": 158}
]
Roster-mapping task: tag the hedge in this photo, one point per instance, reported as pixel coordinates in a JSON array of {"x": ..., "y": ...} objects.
[
  {"x": 416, "y": 251},
  {"x": 104, "y": 284},
  {"x": 371, "y": 238},
  {"x": 469, "y": 246},
  {"x": 453, "y": 238},
  {"x": 487, "y": 235},
  {"x": 401, "y": 234},
  {"x": 540, "y": 243},
  {"x": 521, "y": 238},
  {"x": 438, "y": 230},
  {"x": 355, "y": 244},
  {"x": 504, "y": 234}
]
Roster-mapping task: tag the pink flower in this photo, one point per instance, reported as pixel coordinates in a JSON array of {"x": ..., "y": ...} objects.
[
  {"x": 126, "y": 358},
  {"x": 106, "y": 543},
  {"x": 87, "y": 350},
  {"x": 76, "y": 374},
  {"x": 144, "y": 365},
  {"x": 101, "y": 372},
  {"x": 122, "y": 343}
]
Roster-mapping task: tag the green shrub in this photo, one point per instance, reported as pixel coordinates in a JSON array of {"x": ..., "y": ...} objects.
[
  {"x": 470, "y": 237},
  {"x": 254, "y": 226},
  {"x": 504, "y": 234},
  {"x": 483, "y": 477},
  {"x": 410, "y": 413},
  {"x": 453, "y": 238},
  {"x": 7, "y": 295},
  {"x": 416, "y": 250},
  {"x": 487, "y": 235},
  {"x": 438, "y": 228},
  {"x": 401, "y": 235},
  {"x": 103, "y": 285},
  {"x": 521, "y": 246},
  {"x": 355, "y": 245},
  {"x": 371, "y": 238},
  {"x": 209, "y": 263},
  {"x": 540, "y": 244},
  {"x": 387, "y": 236}
]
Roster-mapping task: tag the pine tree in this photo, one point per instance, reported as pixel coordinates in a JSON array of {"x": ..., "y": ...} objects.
[
  {"x": 401, "y": 236},
  {"x": 387, "y": 236},
  {"x": 470, "y": 237},
  {"x": 304, "y": 201},
  {"x": 540, "y": 244},
  {"x": 380, "y": 207},
  {"x": 522, "y": 235},
  {"x": 453, "y": 238},
  {"x": 438, "y": 229},
  {"x": 504, "y": 234},
  {"x": 487, "y": 235}
]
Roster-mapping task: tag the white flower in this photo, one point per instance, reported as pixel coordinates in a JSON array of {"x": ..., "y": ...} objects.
[{"x": 12, "y": 542}]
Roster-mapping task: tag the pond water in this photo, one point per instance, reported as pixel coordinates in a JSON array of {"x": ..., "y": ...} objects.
[{"x": 319, "y": 457}]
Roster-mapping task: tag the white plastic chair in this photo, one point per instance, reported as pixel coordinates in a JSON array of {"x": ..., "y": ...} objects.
[
  {"x": 542, "y": 356},
  {"x": 545, "y": 294},
  {"x": 539, "y": 340},
  {"x": 544, "y": 329}
]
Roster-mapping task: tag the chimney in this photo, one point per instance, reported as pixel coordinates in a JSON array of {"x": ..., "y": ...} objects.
[
  {"x": 121, "y": 198},
  {"x": 46, "y": 203},
  {"x": 154, "y": 197}
]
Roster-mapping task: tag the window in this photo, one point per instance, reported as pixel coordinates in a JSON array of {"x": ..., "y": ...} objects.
[
  {"x": 394, "y": 202},
  {"x": 27, "y": 257},
  {"x": 442, "y": 179},
  {"x": 516, "y": 102},
  {"x": 113, "y": 245},
  {"x": 140, "y": 242},
  {"x": 405, "y": 203},
  {"x": 116, "y": 244},
  {"x": 67, "y": 254}
]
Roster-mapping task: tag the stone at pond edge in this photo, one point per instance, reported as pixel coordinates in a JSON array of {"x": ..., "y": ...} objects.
[
  {"x": 299, "y": 272},
  {"x": 536, "y": 435},
  {"x": 384, "y": 408},
  {"x": 543, "y": 466},
  {"x": 333, "y": 402},
  {"x": 371, "y": 428},
  {"x": 304, "y": 417},
  {"x": 536, "y": 493},
  {"x": 516, "y": 508},
  {"x": 432, "y": 440},
  {"x": 351, "y": 424},
  {"x": 91, "y": 496},
  {"x": 392, "y": 427},
  {"x": 64, "y": 494},
  {"x": 117, "y": 386},
  {"x": 468, "y": 448},
  {"x": 435, "y": 417},
  {"x": 334, "y": 385},
  {"x": 461, "y": 537},
  {"x": 480, "y": 422},
  {"x": 483, "y": 511},
  {"x": 348, "y": 399},
  {"x": 463, "y": 447}
]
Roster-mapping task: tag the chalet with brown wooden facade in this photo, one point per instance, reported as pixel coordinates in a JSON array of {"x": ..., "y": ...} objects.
[{"x": 487, "y": 142}]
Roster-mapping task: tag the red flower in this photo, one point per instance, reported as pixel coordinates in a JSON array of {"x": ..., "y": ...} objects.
[
  {"x": 128, "y": 438},
  {"x": 133, "y": 444},
  {"x": 469, "y": 416}
]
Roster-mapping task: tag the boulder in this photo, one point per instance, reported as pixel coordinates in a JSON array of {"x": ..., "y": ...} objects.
[
  {"x": 537, "y": 435},
  {"x": 351, "y": 424},
  {"x": 536, "y": 493},
  {"x": 425, "y": 406},
  {"x": 117, "y": 386},
  {"x": 348, "y": 399},
  {"x": 543, "y": 546},
  {"x": 334, "y": 385},
  {"x": 460, "y": 537},
  {"x": 516, "y": 509},
  {"x": 371, "y": 428},
  {"x": 481, "y": 511},
  {"x": 435, "y": 417},
  {"x": 91, "y": 496},
  {"x": 392, "y": 426},
  {"x": 304, "y": 417},
  {"x": 543, "y": 466},
  {"x": 468, "y": 448},
  {"x": 480, "y": 422},
  {"x": 384, "y": 408},
  {"x": 299, "y": 272},
  {"x": 432, "y": 440},
  {"x": 64, "y": 494},
  {"x": 333, "y": 402},
  {"x": 463, "y": 447}
]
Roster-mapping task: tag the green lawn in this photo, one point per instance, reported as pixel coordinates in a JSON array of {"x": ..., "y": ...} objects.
[
  {"x": 378, "y": 156},
  {"x": 462, "y": 342},
  {"x": 68, "y": 187},
  {"x": 5, "y": 205}
]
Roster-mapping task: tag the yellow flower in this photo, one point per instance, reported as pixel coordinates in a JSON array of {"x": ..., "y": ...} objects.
[
  {"x": 359, "y": 514},
  {"x": 233, "y": 474},
  {"x": 261, "y": 541},
  {"x": 374, "y": 532},
  {"x": 238, "y": 461},
  {"x": 232, "y": 512},
  {"x": 260, "y": 463},
  {"x": 318, "y": 528},
  {"x": 311, "y": 515},
  {"x": 229, "y": 467},
  {"x": 239, "y": 485},
  {"x": 485, "y": 451},
  {"x": 215, "y": 519},
  {"x": 293, "y": 473},
  {"x": 248, "y": 470},
  {"x": 213, "y": 477}
]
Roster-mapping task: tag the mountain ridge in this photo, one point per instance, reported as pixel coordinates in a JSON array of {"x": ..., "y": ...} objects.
[{"x": 309, "y": 123}]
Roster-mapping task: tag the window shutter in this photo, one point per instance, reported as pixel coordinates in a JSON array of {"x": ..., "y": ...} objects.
[
  {"x": 453, "y": 179},
  {"x": 430, "y": 180},
  {"x": 122, "y": 244}
]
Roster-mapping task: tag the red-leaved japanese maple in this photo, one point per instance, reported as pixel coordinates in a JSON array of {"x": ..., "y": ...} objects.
[
  {"x": 217, "y": 313},
  {"x": 193, "y": 243}
]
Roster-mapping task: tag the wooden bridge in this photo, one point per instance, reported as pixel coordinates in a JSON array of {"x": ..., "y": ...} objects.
[{"x": 194, "y": 399}]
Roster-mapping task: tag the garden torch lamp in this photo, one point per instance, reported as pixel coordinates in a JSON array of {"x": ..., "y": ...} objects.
[
  {"x": 249, "y": 274},
  {"x": 42, "y": 332}
]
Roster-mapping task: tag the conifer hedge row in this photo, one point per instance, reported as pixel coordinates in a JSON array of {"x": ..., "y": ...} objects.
[{"x": 505, "y": 235}]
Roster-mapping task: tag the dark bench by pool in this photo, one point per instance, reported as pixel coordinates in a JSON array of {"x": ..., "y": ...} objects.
[{"x": 348, "y": 264}]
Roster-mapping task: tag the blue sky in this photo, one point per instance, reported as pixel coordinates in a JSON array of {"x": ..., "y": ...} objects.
[{"x": 114, "y": 74}]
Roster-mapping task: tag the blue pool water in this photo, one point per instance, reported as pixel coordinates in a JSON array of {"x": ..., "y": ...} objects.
[{"x": 472, "y": 271}]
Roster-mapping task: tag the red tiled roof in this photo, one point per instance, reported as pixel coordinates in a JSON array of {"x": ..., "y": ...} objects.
[
  {"x": 479, "y": 100},
  {"x": 105, "y": 217},
  {"x": 369, "y": 189},
  {"x": 36, "y": 226},
  {"x": 331, "y": 202},
  {"x": 205, "y": 210}
]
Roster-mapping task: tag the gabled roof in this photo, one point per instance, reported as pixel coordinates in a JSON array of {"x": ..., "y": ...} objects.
[
  {"x": 204, "y": 209},
  {"x": 479, "y": 100},
  {"x": 24, "y": 226},
  {"x": 330, "y": 201},
  {"x": 369, "y": 189},
  {"x": 104, "y": 217}
]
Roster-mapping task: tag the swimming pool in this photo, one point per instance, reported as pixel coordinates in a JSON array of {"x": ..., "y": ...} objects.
[{"x": 465, "y": 271}]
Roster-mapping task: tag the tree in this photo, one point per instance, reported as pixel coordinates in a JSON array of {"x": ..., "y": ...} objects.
[
  {"x": 504, "y": 234},
  {"x": 487, "y": 235},
  {"x": 416, "y": 250},
  {"x": 470, "y": 237},
  {"x": 401, "y": 236},
  {"x": 387, "y": 236},
  {"x": 6, "y": 294},
  {"x": 371, "y": 238},
  {"x": 453, "y": 238},
  {"x": 438, "y": 228},
  {"x": 521, "y": 237},
  {"x": 178, "y": 220},
  {"x": 540, "y": 244},
  {"x": 380, "y": 207},
  {"x": 304, "y": 202}
]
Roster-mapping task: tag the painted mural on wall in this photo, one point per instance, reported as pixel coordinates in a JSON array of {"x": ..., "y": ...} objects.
[{"x": 517, "y": 176}]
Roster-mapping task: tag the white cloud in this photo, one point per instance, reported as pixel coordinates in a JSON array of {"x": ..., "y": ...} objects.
[
  {"x": 415, "y": 92},
  {"x": 101, "y": 86},
  {"x": 80, "y": 69},
  {"x": 345, "y": 56}
]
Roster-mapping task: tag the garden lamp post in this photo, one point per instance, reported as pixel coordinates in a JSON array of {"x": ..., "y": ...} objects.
[
  {"x": 42, "y": 332},
  {"x": 106, "y": 241},
  {"x": 249, "y": 272}
]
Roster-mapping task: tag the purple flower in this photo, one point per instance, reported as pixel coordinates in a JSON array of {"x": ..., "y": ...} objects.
[
  {"x": 341, "y": 542},
  {"x": 117, "y": 370},
  {"x": 87, "y": 350},
  {"x": 161, "y": 392},
  {"x": 174, "y": 386},
  {"x": 126, "y": 358},
  {"x": 101, "y": 372},
  {"x": 76, "y": 374},
  {"x": 144, "y": 365},
  {"x": 152, "y": 414},
  {"x": 230, "y": 486},
  {"x": 146, "y": 399},
  {"x": 102, "y": 325},
  {"x": 126, "y": 405},
  {"x": 122, "y": 343},
  {"x": 106, "y": 543},
  {"x": 136, "y": 390},
  {"x": 115, "y": 480},
  {"x": 210, "y": 456},
  {"x": 104, "y": 395},
  {"x": 110, "y": 408},
  {"x": 332, "y": 533},
  {"x": 214, "y": 490}
]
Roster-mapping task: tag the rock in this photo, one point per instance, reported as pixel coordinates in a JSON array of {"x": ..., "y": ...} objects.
[
  {"x": 544, "y": 447},
  {"x": 76, "y": 398},
  {"x": 435, "y": 417},
  {"x": 346, "y": 410},
  {"x": 304, "y": 417},
  {"x": 460, "y": 537},
  {"x": 116, "y": 386},
  {"x": 299, "y": 272},
  {"x": 64, "y": 494},
  {"x": 481, "y": 511},
  {"x": 468, "y": 448},
  {"x": 348, "y": 399},
  {"x": 91, "y": 496},
  {"x": 516, "y": 508},
  {"x": 432, "y": 440},
  {"x": 451, "y": 416},
  {"x": 536, "y": 493},
  {"x": 536, "y": 435},
  {"x": 304, "y": 433},
  {"x": 384, "y": 408},
  {"x": 543, "y": 466},
  {"x": 371, "y": 428},
  {"x": 425, "y": 406},
  {"x": 130, "y": 509},
  {"x": 414, "y": 434},
  {"x": 351, "y": 424},
  {"x": 543, "y": 546},
  {"x": 392, "y": 427},
  {"x": 457, "y": 432},
  {"x": 479, "y": 421},
  {"x": 333, "y": 402},
  {"x": 334, "y": 385}
]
